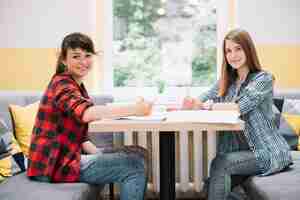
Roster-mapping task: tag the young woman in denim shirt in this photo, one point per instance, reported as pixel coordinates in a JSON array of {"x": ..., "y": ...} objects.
[
  {"x": 60, "y": 131},
  {"x": 257, "y": 150}
]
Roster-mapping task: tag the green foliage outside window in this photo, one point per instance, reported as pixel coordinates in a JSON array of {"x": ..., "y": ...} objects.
[
  {"x": 204, "y": 68},
  {"x": 137, "y": 59}
]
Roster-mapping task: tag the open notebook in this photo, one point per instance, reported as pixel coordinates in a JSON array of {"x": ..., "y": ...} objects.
[
  {"x": 200, "y": 116},
  {"x": 204, "y": 116}
]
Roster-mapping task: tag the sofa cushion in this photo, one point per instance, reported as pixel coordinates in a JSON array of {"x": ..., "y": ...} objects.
[
  {"x": 284, "y": 185},
  {"x": 290, "y": 128},
  {"x": 102, "y": 140},
  {"x": 5, "y": 139},
  {"x": 101, "y": 99},
  {"x": 290, "y": 121},
  {"x": 287, "y": 93},
  {"x": 8, "y": 167},
  {"x": 286, "y": 122},
  {"x": 7, "y": 98},
  {"x": 9, "y": 148},
  {"x": 23, "y": 119},
  {"x": 19, "y": 187}
]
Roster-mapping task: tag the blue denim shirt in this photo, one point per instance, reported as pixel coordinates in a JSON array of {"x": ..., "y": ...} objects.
[{"x": 255, "y": 100}]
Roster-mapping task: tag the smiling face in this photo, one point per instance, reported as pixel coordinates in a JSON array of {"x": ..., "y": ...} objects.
[
  {"x": 78, "y": 62},
  {"x": 235, "y": 55}
]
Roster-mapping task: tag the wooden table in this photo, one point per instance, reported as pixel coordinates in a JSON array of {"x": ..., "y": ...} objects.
[{"x": 175, "y": 121}]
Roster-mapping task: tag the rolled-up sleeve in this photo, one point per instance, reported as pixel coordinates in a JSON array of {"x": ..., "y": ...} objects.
[
  {"x": 211, "y": 94},
  {"x": 255, "y": 92},
  {"x": 69, "y": 100}
]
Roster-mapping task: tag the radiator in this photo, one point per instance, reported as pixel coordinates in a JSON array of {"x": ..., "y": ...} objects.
[{"x": 194, "y": 152}]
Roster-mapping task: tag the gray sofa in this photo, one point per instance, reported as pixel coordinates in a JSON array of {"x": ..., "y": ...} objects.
[
  {"x": 284, "y": 185},
  {"x": 19, "y": 187}
]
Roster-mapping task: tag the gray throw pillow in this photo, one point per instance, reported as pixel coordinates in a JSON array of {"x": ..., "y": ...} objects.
[
  {"x": 9, "y": 165},
  {"x": 5, "y": 139}
]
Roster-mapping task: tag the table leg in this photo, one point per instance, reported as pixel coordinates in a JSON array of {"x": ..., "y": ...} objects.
[{"x": 167, "y": 165}]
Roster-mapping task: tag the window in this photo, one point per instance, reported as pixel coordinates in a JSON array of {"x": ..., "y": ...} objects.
[{"x": 162, "y": 46}]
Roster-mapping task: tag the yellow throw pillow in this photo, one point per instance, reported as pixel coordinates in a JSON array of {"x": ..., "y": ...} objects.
[
  {"x": 15, "y": 147},
  {"x": 5, "y": 167},
  {"x": 23, "y": 119},
  {"x": 6, "y": 164},
  {"x": 294, "y": 121}
]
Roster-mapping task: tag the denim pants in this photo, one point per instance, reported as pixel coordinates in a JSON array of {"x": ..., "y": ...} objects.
[
  {"x": 226, "y": 170},
  {"x": 126, "y": 166}
]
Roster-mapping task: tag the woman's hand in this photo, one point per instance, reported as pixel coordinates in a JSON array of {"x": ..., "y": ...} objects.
[
  {"x": 190, "y": 103},
  {"x": 187, "y": 104},
  {"x": 143, "y": 107},
  {"x": 208, "y": 105}
]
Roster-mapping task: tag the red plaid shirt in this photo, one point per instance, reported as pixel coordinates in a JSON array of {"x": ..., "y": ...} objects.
[{"x": 59, "y": 131}]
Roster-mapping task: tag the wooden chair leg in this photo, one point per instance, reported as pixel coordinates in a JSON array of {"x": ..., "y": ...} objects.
[{"x": 111, "y": 191}]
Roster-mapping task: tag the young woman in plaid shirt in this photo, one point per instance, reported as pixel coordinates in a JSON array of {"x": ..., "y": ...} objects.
[
  {"x": 259, "y": 149},
  {"x": 60, "y": 131}
]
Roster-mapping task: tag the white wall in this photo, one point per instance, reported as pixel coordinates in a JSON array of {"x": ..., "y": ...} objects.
[
  {"x": 223, "y": 26},
  {"x": 43, "y": 23},
  {"x": 270, "y": 21}
]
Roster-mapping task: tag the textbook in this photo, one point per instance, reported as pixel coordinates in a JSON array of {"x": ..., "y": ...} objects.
[
  {"x": 199, "y": 116},
  {"x": 153, "y": 117}
]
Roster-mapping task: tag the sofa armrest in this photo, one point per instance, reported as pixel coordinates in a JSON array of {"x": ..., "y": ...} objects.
[{"x": 102, "y": 99}]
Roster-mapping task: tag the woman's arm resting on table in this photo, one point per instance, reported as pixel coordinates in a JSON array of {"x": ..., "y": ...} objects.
[
  {"x": 190, "y": 103},
  {"x": 113, "y": 111}
]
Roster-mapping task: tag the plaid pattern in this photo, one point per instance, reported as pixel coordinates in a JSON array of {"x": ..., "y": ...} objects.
[
  {"x": 59, "y": 131},
  {"x": 255, "y": 99}
]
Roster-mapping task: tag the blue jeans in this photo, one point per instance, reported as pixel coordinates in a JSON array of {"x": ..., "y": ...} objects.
[
  {"x": 226, "y": 170},
  {"x": 126, "y": 166}
]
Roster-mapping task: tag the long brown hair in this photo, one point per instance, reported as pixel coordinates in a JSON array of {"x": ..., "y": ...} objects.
[
  {"x": 228, "y": 73},
  {"x": 73, "y": 41}
]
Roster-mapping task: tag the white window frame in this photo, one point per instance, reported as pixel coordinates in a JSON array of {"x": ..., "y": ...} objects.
[{"x": 129, "y": 94}]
